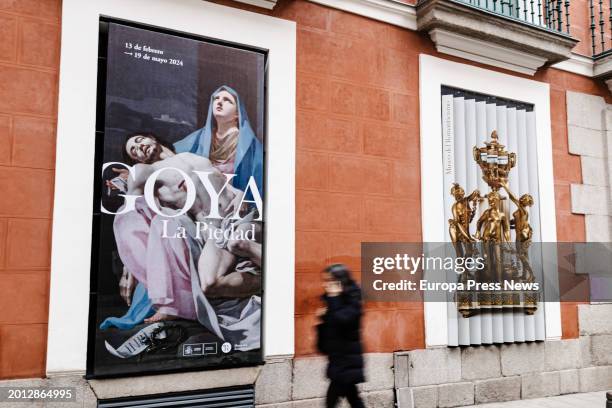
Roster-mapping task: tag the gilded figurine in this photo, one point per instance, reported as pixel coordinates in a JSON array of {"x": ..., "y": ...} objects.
[
  {"x": 493, "y": 225},
  {"x": 520, "y": 217},
  {"x": 524, "y": 232},
  {"x": 463, "y": 212},
  {"x": 493, "y": 232}
]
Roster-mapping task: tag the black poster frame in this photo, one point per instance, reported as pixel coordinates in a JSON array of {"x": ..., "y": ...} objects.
[{"x": 96, "y": 200}]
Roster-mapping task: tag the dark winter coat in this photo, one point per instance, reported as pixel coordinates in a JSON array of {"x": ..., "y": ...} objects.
[{"x": 339, "y": 337}]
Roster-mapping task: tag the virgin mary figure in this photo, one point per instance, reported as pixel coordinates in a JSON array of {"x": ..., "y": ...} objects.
[{"x": 228, "y": 140}]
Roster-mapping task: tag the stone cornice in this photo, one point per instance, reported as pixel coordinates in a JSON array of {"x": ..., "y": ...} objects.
[
  {"x": 267, "y": 4},
  {"x": 389, "y": 11}
]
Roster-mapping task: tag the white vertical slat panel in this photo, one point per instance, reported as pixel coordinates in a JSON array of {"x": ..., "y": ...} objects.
[
  {"x": 503, "y": 127},
  {"x": 534, "y": 216},
  {"x": 491, "y": 119},
  {"x": 498, "y": 319},
  {"x": 511, "y": 145},
  {"x": 448, "y": 148},
  {"x": 523, "y": 167},
  {"x": 471, "y": 126},
  {"x": 481, "y": 138},
  {"x": 463, "y": 324},
  {"x": 513, "y": 129},
  {"x": 486, "y": 318},
  {"x": 502, "y": 124},
  {"x": 539, "y": 319},
  {"x": 471, "y": 140},
  {"x": 522, "y": 155},
  {"x": 532, "y": 186}
]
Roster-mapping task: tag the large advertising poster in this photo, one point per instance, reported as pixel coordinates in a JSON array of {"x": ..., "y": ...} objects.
[{"x": 178, "y": 214}]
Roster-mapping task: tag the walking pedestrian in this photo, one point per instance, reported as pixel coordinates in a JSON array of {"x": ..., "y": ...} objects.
[{"x": 339, "y": 335}]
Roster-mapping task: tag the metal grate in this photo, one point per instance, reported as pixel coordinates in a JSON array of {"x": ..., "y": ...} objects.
[
  {"x": 234, "y": 398},
  {"x": 601, "y": 36},
  {"x": 550, "y": 15}
]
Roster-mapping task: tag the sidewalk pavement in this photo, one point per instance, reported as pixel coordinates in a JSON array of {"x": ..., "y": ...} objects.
[{"x": 587, "y": 400}]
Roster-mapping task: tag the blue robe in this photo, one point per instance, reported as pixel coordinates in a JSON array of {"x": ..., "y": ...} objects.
[{"x": 249, "y": 152}]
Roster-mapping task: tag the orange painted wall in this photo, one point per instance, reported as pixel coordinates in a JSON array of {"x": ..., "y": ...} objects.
[
  {"x": 358, "y": 158},
  {"x": 29, "y": 62},
  {"x": 580, "y": 22}
]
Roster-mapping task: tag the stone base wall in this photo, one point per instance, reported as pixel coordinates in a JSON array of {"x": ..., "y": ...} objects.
[
  {"x": 453, "y": 377},
  {"x": 430, "y": 378},
  {"x": 521, "y": 377},
  {"x": 301, "y": 383},
  {"x": 298, "y": 383},
  {"x": 85, "y": 397}
]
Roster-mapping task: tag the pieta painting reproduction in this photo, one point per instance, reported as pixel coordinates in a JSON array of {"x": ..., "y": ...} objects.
[{"x": 178, "y": 219}]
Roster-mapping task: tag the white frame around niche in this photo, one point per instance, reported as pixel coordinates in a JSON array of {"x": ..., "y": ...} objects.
[
  {"x": 74, "y": 175},
  {"x": 435, "y": 72}
]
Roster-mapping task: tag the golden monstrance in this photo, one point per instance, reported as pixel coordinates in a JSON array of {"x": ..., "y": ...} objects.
[{"x": 491, "y": 240}]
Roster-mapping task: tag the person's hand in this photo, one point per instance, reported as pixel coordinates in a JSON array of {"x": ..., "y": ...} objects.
[
  {"x": 333, "y": 288},
  {"x": 234, "y": 205},
  {"x": 321, "y": 311},
  {"x": 122, "y": 173},
  {"x": 127, "y": 284}
]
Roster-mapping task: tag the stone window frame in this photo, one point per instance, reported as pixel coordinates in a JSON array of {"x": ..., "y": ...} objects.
[
  {"x": 74, "y": 177},
  {"x": 433, "y": 73}
]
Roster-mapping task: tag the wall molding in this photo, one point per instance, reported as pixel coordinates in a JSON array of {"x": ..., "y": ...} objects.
[
  {"x": 491, "y": 38},
  {"x": 475, "y": 49},
  {"x": 267, "y": 4},
  {"x": 176, "y": 382},
  {"x": 388, "y": 11},
  {"x": 577, "y": 64}
]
